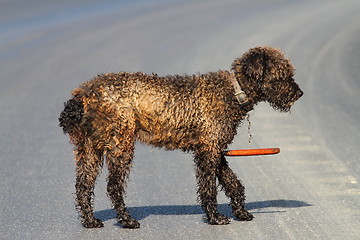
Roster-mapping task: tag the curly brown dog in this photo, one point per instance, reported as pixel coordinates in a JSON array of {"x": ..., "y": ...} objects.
[{"x": 197, "y": 113}]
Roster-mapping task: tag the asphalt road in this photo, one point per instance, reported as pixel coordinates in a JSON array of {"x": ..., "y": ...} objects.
[{"x": 310, "y": 190}]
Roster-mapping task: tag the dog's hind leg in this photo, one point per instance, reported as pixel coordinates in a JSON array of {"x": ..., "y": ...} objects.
[
  {"x": 234, "y": 190},
  {"x": 119, "y": 162},
  {"x": 88, "y": 165},
  {"x": 206, "y": 167}
]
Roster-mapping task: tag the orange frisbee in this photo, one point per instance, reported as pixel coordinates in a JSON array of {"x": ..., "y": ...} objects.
[{"x": 251, "y": 152}]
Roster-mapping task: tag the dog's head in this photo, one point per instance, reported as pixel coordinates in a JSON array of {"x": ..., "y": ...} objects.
[{"x": 266, "y": 75}]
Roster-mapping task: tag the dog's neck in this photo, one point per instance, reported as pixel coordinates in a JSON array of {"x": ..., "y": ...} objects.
[{"x": 239, "y": 93}]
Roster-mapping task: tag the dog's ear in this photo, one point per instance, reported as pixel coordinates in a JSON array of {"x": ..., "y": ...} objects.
[
  {"x": 251, "y": 64},
  {"x": 278, "y": 67}
]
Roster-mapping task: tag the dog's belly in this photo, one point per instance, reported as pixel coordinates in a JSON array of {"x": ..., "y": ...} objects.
[{"x": 164, "y": 135}]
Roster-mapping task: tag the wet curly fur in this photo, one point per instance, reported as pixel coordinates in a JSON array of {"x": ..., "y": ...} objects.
[{"x": 197, "y": 113}]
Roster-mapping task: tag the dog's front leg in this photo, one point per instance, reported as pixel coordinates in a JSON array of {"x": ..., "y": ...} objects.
[
  {"x": 234, "y": 190},
  {"x": 207, "y": 163}
]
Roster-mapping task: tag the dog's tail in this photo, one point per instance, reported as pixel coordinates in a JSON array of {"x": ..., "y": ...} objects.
[{"x": 71, "y": 117}]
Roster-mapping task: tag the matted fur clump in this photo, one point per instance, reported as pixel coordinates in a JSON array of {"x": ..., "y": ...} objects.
[{"x": 197, "y": 113}]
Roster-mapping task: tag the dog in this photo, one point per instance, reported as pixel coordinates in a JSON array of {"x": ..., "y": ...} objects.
[{"x": 196, "y": 113}]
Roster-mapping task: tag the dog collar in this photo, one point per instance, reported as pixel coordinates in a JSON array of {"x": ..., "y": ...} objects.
[{"x": 239, "y": 93}]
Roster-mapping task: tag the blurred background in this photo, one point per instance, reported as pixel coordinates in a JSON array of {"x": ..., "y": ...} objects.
[{"x": 308, "y": 191}]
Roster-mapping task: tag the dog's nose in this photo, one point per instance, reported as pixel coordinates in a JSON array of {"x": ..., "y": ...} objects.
[{"x": 299, "y": 93}]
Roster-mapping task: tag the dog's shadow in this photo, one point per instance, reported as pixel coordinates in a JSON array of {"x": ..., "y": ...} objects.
[{"x": 140, "y": 213}]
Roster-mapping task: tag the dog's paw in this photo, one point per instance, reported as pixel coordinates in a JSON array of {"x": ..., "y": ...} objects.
[
  {"x": 130, "y": 223},
  {"x": 243, "y": 215},
  {"x": 219, "y": 220},
  {"x": 94, "y": 223}
]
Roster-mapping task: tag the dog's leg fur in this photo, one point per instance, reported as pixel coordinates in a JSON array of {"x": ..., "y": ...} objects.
[
  {"x": 119, "y": 161},
  {"x": 207, "y": 163},
  {"x": 233, "y": 190},
  {"x": 88, "y": 164}
]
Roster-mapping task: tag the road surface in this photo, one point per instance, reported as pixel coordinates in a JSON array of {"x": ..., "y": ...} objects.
[{"x": 310, "y": 190}]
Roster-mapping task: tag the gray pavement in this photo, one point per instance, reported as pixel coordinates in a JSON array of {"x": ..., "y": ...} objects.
[{"x": 310, "y": 190}]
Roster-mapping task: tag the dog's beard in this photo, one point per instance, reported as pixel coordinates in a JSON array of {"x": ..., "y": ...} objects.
[
  {"x": 284, "y": 107},
  {"x": 284, "y": 103}
]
